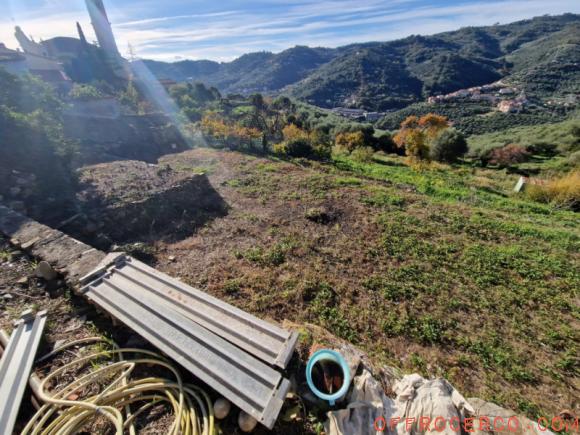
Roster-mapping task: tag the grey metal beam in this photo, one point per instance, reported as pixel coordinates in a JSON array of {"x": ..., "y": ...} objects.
[
  {"x": 247, "y": 382},
  {"x": 16, "y": 364},
  {"x": 262, "y": 339}
]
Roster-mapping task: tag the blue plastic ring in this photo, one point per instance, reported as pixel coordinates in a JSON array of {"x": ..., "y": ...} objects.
[{"x": 330, "y": 355}]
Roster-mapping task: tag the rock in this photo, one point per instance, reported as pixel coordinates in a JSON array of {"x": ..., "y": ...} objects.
[
  {"x": 7, "y": 296},
  {"x": 20, "y": 181},
  {"x": 221, "y": 408},
  {"x": 246, "y": 422},
  {"x": 16, "y": 253},
  {"x": 45, "y": 271},
  {"x": 171, "y": 258},
  {"x": 23, "y": 281},
  {"x": 352, "y": 356}
]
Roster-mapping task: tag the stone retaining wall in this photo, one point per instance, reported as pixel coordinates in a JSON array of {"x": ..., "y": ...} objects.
[{"x": 68, "y": 256}]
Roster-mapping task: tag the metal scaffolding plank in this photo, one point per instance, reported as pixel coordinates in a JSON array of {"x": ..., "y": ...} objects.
[
  {"x": 262, "y": 339},
  {"x": 247, "y": 382},
  {"x": 16, "y": 364}
]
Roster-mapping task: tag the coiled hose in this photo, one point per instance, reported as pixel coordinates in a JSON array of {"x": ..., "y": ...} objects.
[{"x": 192, "y": 408}]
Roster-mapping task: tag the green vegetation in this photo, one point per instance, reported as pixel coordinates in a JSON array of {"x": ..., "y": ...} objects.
[
  {"x": 253, "y": 72},
  {"x": 428, "y": 261},
  {"x": 563, "y": 137},
  {"x": 84, "y": 92},
  {"x": 475, "y": 118},
  {"x": 32, "y": 142},
  {"x": 430, "y": 137},
  {"x": 259, "y": 124},
  {"x": 448, "y": 146},
  {"x": 444, "y": 262}
]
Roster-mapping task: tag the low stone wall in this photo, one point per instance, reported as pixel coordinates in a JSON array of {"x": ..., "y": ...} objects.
[{"x": 66, "y": 255}]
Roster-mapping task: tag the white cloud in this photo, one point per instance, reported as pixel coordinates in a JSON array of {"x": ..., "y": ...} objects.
[
  {"x": 146, "y": 21},
  {"x": 46, "y": 27},
  {"x": 226, "y": 34}
]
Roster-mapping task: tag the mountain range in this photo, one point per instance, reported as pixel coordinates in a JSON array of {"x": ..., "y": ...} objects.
[{"x": 540, "y": 55}]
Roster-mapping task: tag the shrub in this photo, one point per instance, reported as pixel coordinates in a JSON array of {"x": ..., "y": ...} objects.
[
  {"x": 298, "y": 148},
  {"x": 84, "y": 92},
  {"x": 385, "y": 143},
  {"x": 363, "y": 154},
  {"x": 416, "y": 145},
  {"x": 279, "y": 148},
  {"x": 561, "y": 192},
  {"x": 574, "y": 159},
  {"x": 508, "y": 155},
  {"x": 350, "y": 141},
  {"x": 448, "y": 146},
  {"x": 321, "y": 151},
  {"x": 543, "y": 149},
  {"x": 292, "y": 132},
  {"x": 367, "y": 131}
]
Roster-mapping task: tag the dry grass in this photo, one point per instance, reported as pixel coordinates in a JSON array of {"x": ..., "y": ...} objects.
[{"x": 562, "y": 192}]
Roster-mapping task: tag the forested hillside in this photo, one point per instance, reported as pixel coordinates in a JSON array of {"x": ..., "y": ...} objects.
[
  {"x": 542, "y": 55},
  {"x": 253, "y": 72}
]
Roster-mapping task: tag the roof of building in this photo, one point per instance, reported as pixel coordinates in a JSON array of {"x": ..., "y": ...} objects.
[{"x": 7, "y": 55}]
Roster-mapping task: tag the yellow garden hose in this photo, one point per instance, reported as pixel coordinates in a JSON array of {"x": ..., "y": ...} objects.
[{"x": 192, "y": 408}]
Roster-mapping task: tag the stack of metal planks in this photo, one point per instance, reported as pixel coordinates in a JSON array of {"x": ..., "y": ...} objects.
[{"x": 230, "y": 350}]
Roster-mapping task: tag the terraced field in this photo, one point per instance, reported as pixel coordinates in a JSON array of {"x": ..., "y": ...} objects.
[{"x": 440, "y": 270}]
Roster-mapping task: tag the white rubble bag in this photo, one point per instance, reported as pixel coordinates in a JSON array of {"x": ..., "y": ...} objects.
[
  {"x": 371, "y": 412},
  {"x": 366, "y": 403}
]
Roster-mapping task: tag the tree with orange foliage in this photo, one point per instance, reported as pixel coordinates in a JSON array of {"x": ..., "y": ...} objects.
[
  {"x": 293, "y": 132},
  {"x": 416, "y": 134},
  {"x": 433, "y": 124},
  {"x": 244, "y": 135},
  {"x": 213, "y": 125},
  {"x": 350, "y": 141}
]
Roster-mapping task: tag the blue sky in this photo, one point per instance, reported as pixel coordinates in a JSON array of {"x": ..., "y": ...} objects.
[{"x": 225, "y": 29}]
